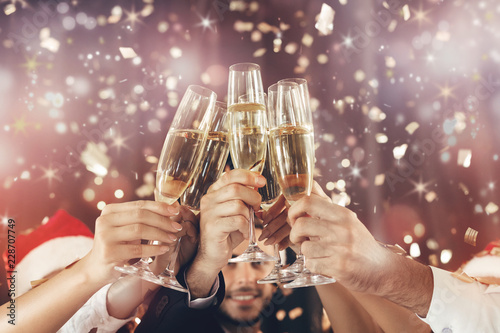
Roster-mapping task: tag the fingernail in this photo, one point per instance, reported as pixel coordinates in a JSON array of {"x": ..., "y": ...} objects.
[
  {"x": 172, "y": 237},
  {"x": 176, "y": 226},
  {"x": 164, "y": 249},
  {"x": 270, "y": 241},
  {"x": 260, "y": 180},
  {"x": 173, "y": 210}
]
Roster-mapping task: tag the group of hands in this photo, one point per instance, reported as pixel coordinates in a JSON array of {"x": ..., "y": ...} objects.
[{"x": 331, "y": 237}]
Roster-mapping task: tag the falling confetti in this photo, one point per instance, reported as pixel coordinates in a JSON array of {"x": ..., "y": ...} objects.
[
  {"x": 325, "y": 20},
  {"x": 127, "y": 52},
  {"x": 470, "y": 236}
]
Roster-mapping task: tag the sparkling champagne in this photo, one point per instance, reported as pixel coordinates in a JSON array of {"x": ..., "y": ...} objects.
[
  {"x": 212, "y": 164},
  {"x": 248, "y": 136},
  {"x": 178, "y": 163},
  {"x": 292, "y": 148}
]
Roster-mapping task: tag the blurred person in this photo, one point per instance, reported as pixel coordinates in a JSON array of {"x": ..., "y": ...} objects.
[
  {"x": 337, "y": 244},
  {"x": 62, "y": 298},
  {"x": 226, "y": 297}
]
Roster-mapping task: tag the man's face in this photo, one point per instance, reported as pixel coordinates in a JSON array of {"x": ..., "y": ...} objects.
[{"x": 245, "y": 298}]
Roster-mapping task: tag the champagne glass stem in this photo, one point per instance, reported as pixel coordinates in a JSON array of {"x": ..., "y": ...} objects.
[
  {"x": 253, "y": 242},
  {"x": 173, "y": 258}
]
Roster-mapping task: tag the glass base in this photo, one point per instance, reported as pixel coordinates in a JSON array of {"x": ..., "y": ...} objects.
[
  {"x": 253, "y": 254},
  {"x": 168, "y": 281},
  {"x": 140, "y": 269},
  {"x": 307, "y": 279},
  {"x": 278, "y": 275},
  {"x": 297, "y": 267}
]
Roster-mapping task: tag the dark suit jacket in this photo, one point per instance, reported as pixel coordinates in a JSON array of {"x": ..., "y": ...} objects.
[{"x": 169, "y": 312}]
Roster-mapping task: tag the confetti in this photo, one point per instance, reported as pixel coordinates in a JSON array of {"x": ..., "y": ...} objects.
[
  {"x": 325, "y": 20},
  {"x": 9, "y": 9},
  {"x": 412, "y": 127},
  {"x": 95, "y": 159},
  {"x": 470, "y": 236},
  {"x": 127, "y": 52},
  {"x": 400, "y": 151},
  {"x": 491, "y": 208},
  {"x": 464, "y": 157},
  {"x": 379, "y": 179},
  {"x": 406, "y": 12}
]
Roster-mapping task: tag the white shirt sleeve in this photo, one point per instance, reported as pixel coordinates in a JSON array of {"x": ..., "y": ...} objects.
[
  {"x": 205, "y": 302},
  {"x": 92, "y": 314},
  {"x": 462, "y": 307}
]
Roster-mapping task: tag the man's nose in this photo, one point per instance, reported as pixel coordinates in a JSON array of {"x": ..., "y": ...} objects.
[{"x": 246, "y": 274}]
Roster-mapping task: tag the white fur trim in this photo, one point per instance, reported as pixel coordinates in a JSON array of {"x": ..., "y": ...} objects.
[
  {"x": 484, "y": 266},
  {"x": 48, "y": 257}
]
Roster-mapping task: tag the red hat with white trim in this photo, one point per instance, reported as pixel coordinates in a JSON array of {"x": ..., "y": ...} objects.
[
  {"x": 485, "y": 266},
  {"x": 49, "y": 248}
]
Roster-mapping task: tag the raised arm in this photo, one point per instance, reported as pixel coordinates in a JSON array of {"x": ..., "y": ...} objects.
[
  {"x": 337, "y": 244},
  {"x": 119, "y": 230}
]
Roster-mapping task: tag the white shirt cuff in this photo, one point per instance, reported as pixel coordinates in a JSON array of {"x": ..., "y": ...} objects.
[
  {"x": 203, "y": 302},
  {"x": 94, "y": 313}
]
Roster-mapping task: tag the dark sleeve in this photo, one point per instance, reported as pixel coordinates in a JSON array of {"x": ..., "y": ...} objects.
[{"x": 169, "y": 311}]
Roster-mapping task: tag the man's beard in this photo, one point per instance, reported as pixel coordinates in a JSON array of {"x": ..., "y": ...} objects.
[{"x": 225, "y": 318}]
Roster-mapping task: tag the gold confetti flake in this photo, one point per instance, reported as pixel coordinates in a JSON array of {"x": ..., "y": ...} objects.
[
  {"x": 470, "y": 236},
  {"x": 328, "y": 137},
  {"x": 50, "y": 44},
  {"x": 464, "y": 157},
  {"x": 127, "y": 52},
  {"x": 95, "y": 159},
  {"x": 265, "y": 27},
  {"x": 376, "y": 114},
  {"x": 491, "y": 208},
  {"x": 464, "y": 188},
  {"x": 241, "y": 26},
  {"x": 259, "y": 52},
  {"x": 406, "y": 12},
  {"x": 399, "y": 151},
  {"x": 9, "y": 9},
  {"x": 381, "y": 138},
  {"x": 392, "y": 26},
  {"x": 325, "y": 20},
  {"x": 412, "y": 127},
  {"x": 379, "y": 179}
]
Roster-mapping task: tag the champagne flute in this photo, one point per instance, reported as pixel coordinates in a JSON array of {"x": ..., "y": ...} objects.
[
  {"x": 179, "y": 160},
  {"x": 248, "y": 136},
  {"x": 213, "y": 159},
  {"x": 270, "y": 194},
  {"x": 292, "y": 147}
]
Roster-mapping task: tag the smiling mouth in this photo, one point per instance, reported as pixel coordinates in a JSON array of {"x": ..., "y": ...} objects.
[{"x": 243, "y": 298}]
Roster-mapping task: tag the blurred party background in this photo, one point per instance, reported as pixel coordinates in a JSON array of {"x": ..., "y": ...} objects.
[{"x": 405, "y": 94}]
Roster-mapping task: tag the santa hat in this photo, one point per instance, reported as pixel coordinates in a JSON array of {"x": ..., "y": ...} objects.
[
  {"x": 49, "y": 248},
  {"x": 485, "y": 266}
]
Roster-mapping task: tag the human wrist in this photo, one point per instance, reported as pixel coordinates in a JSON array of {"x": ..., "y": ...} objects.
[
  {"x": 90, "y": 275},
  {"x": 406, "y": 282},
  {"x": 200, "y": 277}
]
